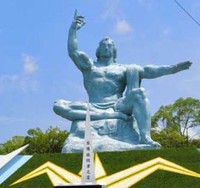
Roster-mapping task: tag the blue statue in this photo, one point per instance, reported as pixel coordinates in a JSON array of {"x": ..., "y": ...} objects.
[{"x": 119, "y": 108}]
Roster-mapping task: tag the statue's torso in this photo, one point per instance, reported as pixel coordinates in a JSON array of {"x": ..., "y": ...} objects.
[{"x": 105, "y": 83}]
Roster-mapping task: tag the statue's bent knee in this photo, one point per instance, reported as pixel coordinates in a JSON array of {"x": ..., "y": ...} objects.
[{"x": 139, "y": 94}]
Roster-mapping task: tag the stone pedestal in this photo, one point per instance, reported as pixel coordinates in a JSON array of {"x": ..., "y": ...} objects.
[{"x": 107, "y": 135}]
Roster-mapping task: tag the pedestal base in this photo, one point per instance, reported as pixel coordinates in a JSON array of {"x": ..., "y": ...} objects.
[
  {"x": 107, "y": 135},
  {"x": 80, "y": 186}
]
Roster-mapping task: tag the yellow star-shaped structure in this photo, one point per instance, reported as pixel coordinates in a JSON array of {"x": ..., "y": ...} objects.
[{"x": 124, "y": 178}]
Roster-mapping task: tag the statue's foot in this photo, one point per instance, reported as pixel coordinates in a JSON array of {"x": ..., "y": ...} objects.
[{"x": 147, "y": 140}]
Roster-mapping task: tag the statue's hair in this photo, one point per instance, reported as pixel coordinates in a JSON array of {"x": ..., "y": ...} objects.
[{"x": 98, "y": 55}]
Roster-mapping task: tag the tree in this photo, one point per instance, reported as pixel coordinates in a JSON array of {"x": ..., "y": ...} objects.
[
  {"x": 181, "y": 116},
  {"x": 195, "y": 142},
  {"x": 11, "y": 145},
  {"x": 169, "y": 138},
  {"x": 50, "y": 141}
]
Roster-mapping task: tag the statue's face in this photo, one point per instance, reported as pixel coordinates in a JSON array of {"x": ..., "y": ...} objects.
[{"x": 106, "y": 48}]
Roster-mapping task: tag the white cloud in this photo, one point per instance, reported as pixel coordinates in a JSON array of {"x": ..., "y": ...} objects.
[
  {"x": 24, "y": 81},
  {"x": 28, "y": 84},
  {"x": 8, "y": 78},
  {"x": 8, "y": 81},
  {"x": 17, "y": 82},
  {"x": 30, "y": 65},
  {"x": 114, "y": 12},
  {"x": 111, "y": 10},
  {"x": 123, "y": 27}
]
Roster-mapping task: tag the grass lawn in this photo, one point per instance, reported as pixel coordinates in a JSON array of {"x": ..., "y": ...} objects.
[{"x": 114, "y": 162}]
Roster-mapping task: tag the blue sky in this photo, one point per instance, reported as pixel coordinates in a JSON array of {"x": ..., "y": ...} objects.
[{"x": 35, "y": 69}]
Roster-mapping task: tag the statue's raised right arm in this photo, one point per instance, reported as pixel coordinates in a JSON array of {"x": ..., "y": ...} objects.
[{"x": 81, "y": 60}]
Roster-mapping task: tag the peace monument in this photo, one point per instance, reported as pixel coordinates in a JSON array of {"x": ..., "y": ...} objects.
[{"x": 119, "y": 107}]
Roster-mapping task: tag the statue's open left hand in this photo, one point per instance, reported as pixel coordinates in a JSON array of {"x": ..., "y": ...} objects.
[{"x": 183, "y": 65}]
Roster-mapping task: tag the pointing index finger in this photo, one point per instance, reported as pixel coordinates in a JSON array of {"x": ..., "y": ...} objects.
[{"x": 75, "y": 13}]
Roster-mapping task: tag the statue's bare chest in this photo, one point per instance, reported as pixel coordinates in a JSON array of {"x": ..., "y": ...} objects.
[
  {"x": 108, "y": 72},
  {"x": 105, "y": 80}
]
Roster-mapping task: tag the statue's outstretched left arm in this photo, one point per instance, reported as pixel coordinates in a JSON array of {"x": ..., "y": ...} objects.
[{"x": 154, "y": 71}]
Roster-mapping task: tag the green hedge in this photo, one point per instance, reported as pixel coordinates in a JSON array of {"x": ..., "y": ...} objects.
[{"x": 114, "y": 162}]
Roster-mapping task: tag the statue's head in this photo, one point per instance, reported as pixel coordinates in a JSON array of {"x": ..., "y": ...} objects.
[{"x": 106, "y": 48}]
